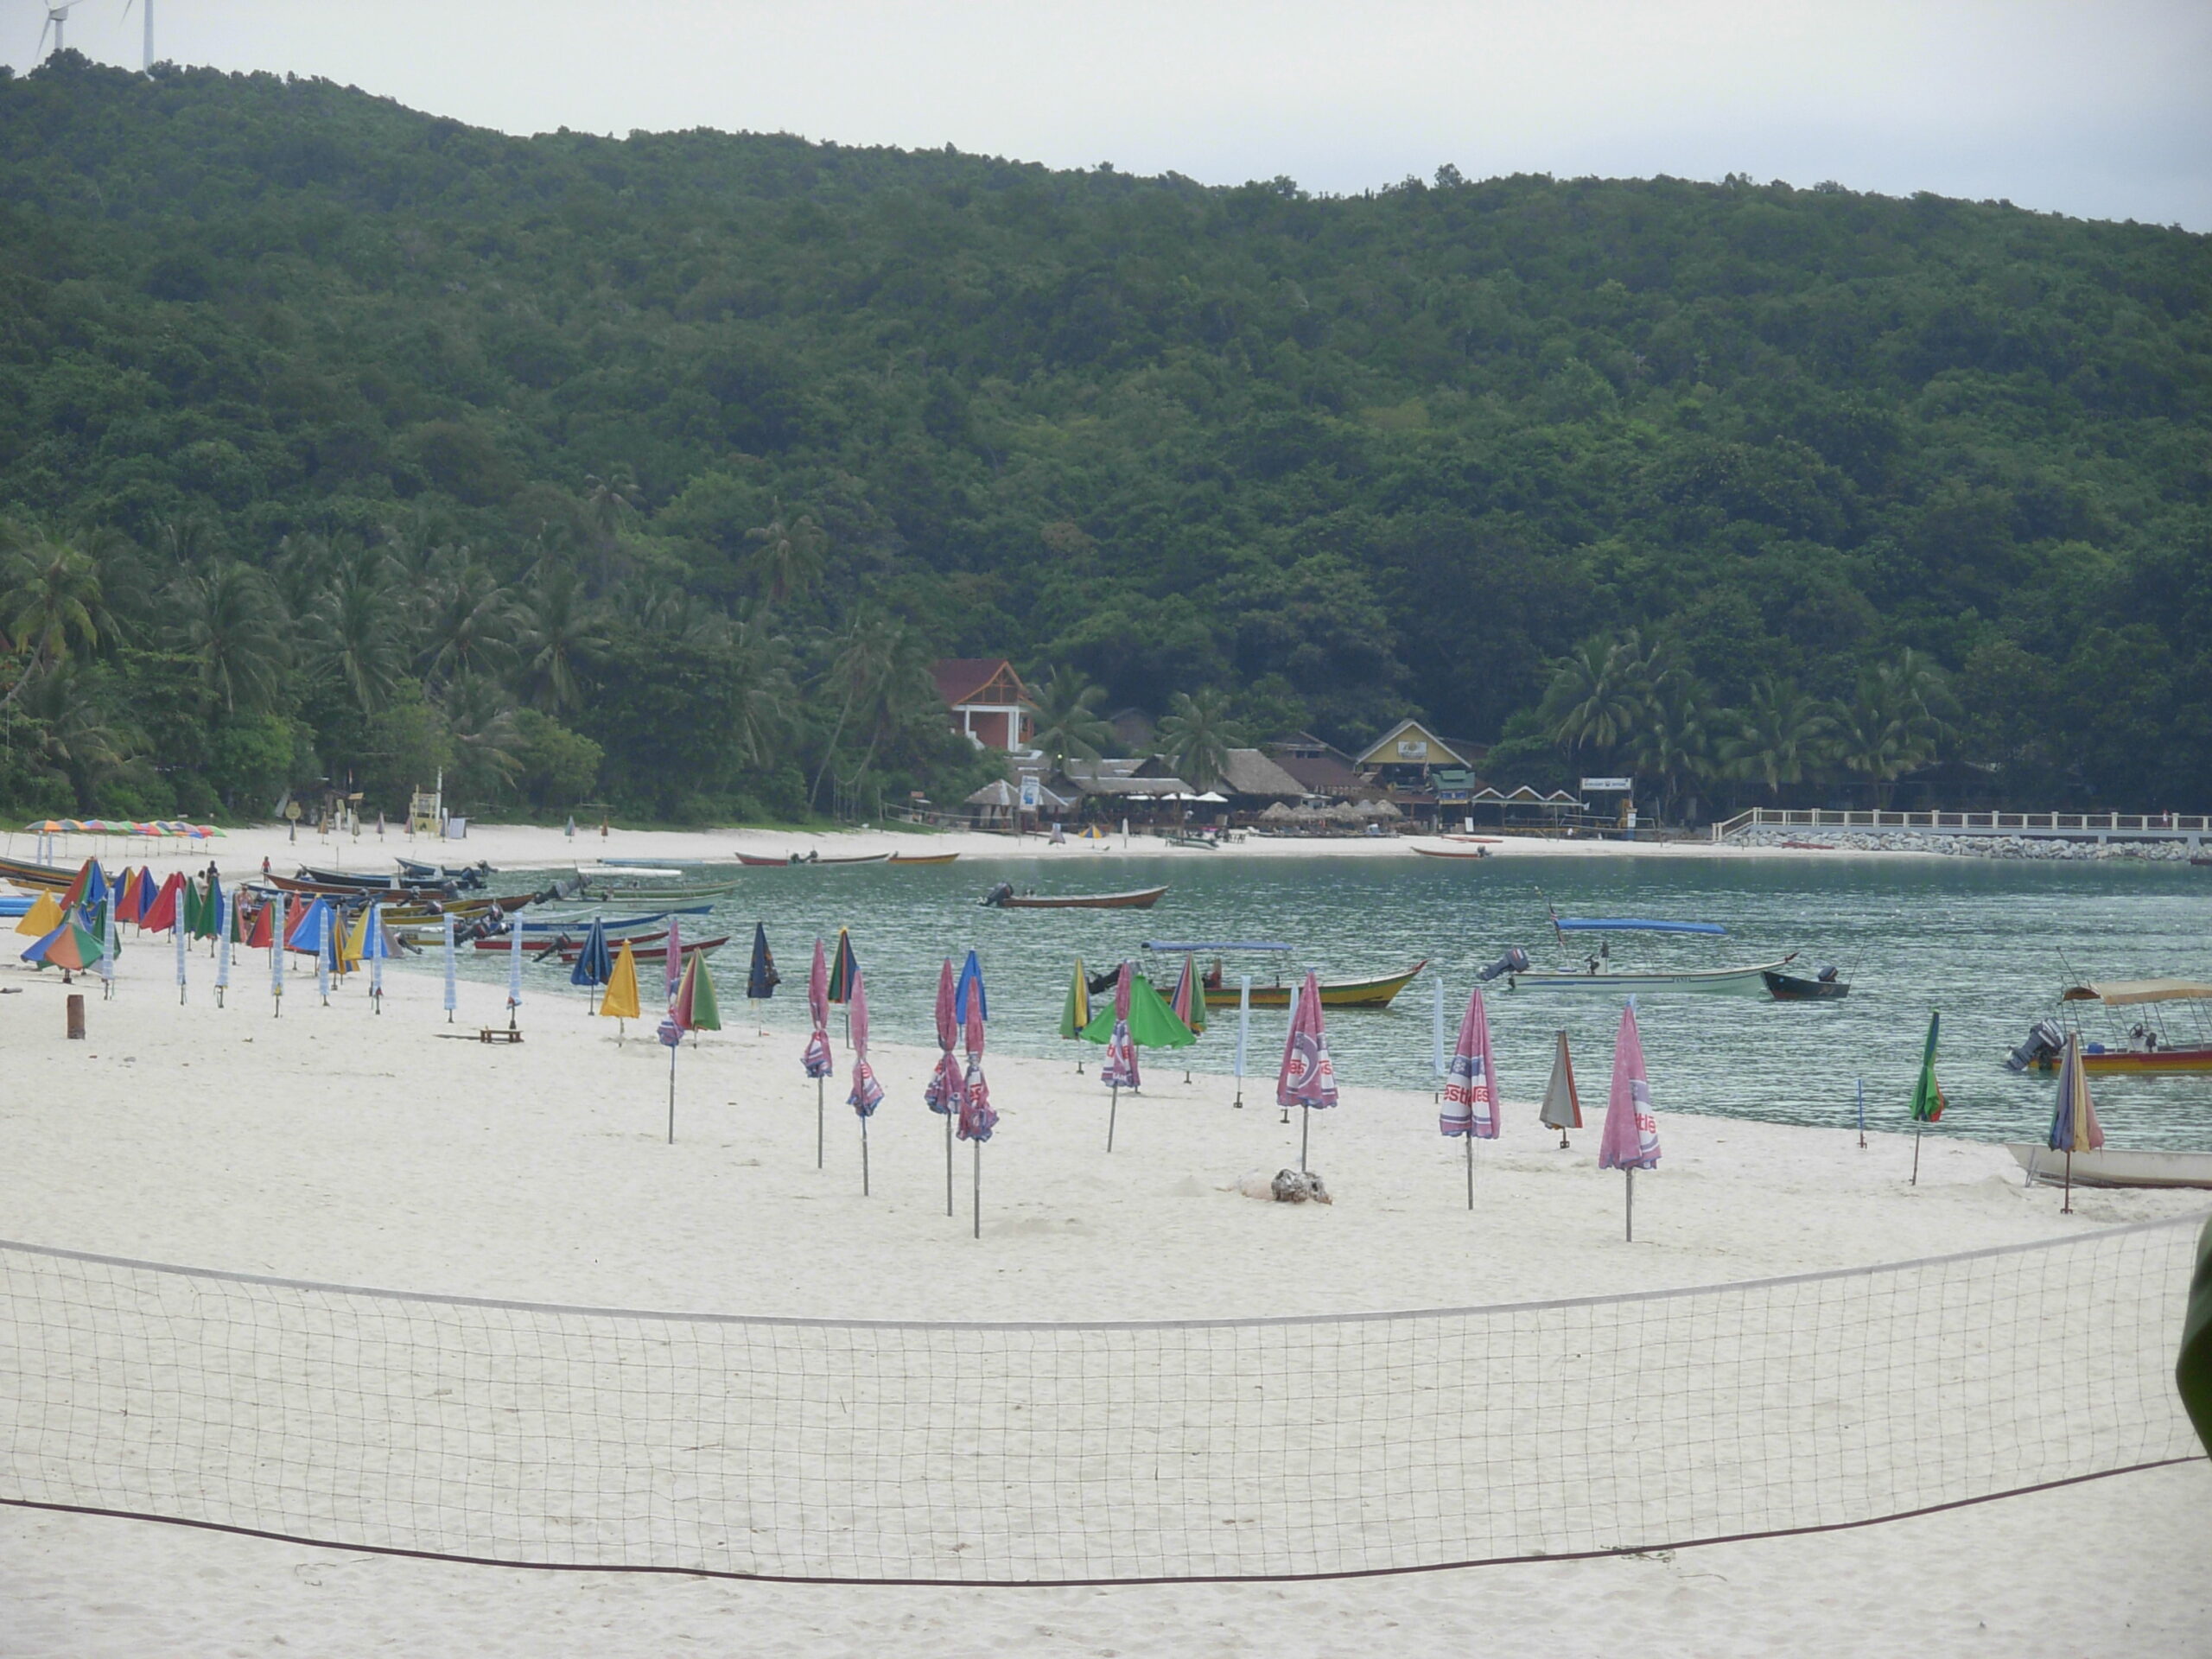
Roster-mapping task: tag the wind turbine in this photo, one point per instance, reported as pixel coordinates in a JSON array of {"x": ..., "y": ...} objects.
[
  {"x": 57, "y": 20},
  {"x": 146, "y": 14}
]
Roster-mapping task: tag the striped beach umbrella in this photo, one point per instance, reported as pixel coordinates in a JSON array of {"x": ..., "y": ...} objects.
[
  {"x": 820, "y": 1064},
  {"x": 1562, "y": 1107},
  {"x": 1469, "y": 1107},
  {"x": 1630, "y": 1139},
  {"x": 977, "y": 1120},
  {"x": 1307, "y": 1079},
  {"x": 942, "y": 1094},
  {"x": 2074, "y": 1126},
  {"x": 868, "y": 1093}
]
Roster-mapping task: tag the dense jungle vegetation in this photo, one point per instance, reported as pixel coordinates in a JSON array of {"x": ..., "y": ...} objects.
[{"x": 337, "y": 439}]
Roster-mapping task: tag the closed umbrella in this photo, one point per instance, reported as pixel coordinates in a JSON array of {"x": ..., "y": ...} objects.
[
  {"x": 1138, "y": 1019},
  {"x": 760, "y": 976},
  {"x": 1074, "y": 1013},
  {"x": 277, "y": 913},
  {"x": 162, "y": 914},
  {"x": 1470, "y": 1086},
  {"x": 377, "y": 948},
  {"x": 1562, "y": 1108},
  {"x": 108, "y": 948},
  {"x": 977, "y": 1120},
  {"x": 943, "y": 1094},
  {"x": 818, "y": 1059},
  {"x": 1189, "y": 1001},
  {"x": 868, "y": 1093},
  {"x": 1928, "y": 1102},
  {"x": 693, "y": 1009},
  {"x": 323, "y": 946},
  {"x": 1120, "y": 1072},
  {"x": 181, "y": 939},
  {"x": 1630, "y": 1141},
  {"x": 226, "y": 937},
  {"x": 514, "y": 966},
  {"x": 1308, "y": 1077},
  {"x": 971, "y": 979},
  {"x": 621, "y": 1002},
  {"x": 672, "y": 970},
  {"x": 844, "y": 968},
  {"x": 2074, "y": 1125},
  {"x": 453, "y": 971},
  {"x": 594, "y": 963}
]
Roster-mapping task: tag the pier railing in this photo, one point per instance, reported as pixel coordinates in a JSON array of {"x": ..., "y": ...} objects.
[{"x": 2189, "y": 827}]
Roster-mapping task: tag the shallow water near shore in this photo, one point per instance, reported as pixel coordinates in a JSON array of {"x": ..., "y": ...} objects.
[{"x": 1989, "y": 944}]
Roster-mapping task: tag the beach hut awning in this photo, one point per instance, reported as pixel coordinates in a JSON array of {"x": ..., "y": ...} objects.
[
  {"x": 1211, "y": 797},
  {"x": 2117, "y": 993}
]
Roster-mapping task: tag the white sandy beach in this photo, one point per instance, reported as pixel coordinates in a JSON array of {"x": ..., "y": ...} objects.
[{"x": 335, "y": 1145}]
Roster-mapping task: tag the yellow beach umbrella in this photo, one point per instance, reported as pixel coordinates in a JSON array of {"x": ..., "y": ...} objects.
[
  {"x": 41, "y": 918},
  {"x": 619, "y": 1002}
]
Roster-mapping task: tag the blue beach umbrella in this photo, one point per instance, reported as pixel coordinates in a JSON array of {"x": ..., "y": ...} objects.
[
  {"x": 452, "y": 988},
  {"x": 971, "y": 974},
  {"x": 594, "y": 963},
  {"x": 377, "y": 948}
]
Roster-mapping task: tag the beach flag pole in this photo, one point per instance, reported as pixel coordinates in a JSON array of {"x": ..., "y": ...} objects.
[
  {"x": 177, "y": 930},
  {"x": 821, "y": 1127},
  {"x": 1113, "y": 1108},
  {"x": 1436, "y": 1061},
  {"x": 1294, "y": 990},
  {"x": 978, "y": 1147},
  {"x": 1244, "y": 1033}
]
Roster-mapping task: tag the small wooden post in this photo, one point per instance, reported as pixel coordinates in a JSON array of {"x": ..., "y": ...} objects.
[{"x": 76, "y": 1019}]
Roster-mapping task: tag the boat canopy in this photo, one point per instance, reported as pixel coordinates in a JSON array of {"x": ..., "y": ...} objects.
[
  {"x": 2116, "y": 992},
  {"x": 1177, "y": 944},
  {"x": 1624, "y": 924}
]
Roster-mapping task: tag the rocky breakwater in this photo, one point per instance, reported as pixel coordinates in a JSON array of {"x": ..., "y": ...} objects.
[{"x": 1901, "y": 841}]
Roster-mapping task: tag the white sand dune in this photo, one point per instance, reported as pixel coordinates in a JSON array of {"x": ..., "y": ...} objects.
[{"x": 335, "y": 1145}]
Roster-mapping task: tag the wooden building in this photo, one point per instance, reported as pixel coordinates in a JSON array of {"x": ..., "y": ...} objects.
[{"x": 987, "y": 700}]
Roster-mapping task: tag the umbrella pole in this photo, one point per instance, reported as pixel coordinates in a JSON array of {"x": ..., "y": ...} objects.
[
  {"x": 864, "y": 1158},
  {"x": 1113, "y": 1106},
  {"x": 978, "y": 1146},
  {"x": 1915, "y": 1151},
  {"x": 671, "y": 1093},
  {"x": 1471, "y": 1172},
  {"x": 1631, "y": 1203},
  {"x": 1305, "y": 1127},
  {"x": 948, "y": 1163},
  {"x": 2067, "y": 1208},
  {"x": 821, "y": 1131}
]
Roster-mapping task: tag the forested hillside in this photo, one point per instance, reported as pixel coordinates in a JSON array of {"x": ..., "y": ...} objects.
[{"x": 336, "y": 437}]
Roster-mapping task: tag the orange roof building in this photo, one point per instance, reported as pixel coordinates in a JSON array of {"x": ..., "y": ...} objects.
[{"x": 986, "y": 698}]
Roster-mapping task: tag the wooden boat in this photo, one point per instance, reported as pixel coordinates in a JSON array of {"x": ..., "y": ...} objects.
[
  {"x": 647, "y": 894},
  {"x": 921, "y": 858},
  {"x": 1374, "y": 993},
  {"x": 1823, "y": 987},
  {"x": 1003, "y": 897},
  {"x": 1606, "y": 982},
  {"x": 334, "y": 890},
  {"x": 2113, "y": 1166},
  {"x": 538, "y": 944},
  {"x": 1485, "y": 841},
  {"x": 50, "y": 877},
  {"x": 570, "y": 951},
  {"x": 1452, "y": 852},
  {"x": 1197, "y": 843},
  {"x": 753, "y": 861}
]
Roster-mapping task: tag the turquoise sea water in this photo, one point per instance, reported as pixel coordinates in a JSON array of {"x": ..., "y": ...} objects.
[{"x": 1987, "y": 944}]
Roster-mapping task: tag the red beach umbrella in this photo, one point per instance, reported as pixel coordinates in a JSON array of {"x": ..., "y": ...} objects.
[
  {"x": 1308, "y": 1077},
  {"x": 1630, "y": 1141},
  {"x": 1470, "y": 1108},
  {"x": 977, "y": 1120},
  {"x": 942, "y": 1095},
  {"x": 818, "y": 1059},
  {"x": 868, "y": 1093}
]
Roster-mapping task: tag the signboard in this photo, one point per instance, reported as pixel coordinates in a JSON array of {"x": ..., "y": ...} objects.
[
  {"x": 1608, "y": 786},
  {"x": 1031, "y": 794},
  {"x": 1413, "y": 748}
]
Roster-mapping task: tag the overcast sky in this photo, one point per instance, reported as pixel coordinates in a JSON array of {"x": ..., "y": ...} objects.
[{"x": 2100, "y": 108}]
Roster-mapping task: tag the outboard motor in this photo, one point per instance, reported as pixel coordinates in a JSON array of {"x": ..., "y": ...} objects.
[
  {"x": 1826, "y": 973},
  {"x": 2043, "y": 1038},
  {"x": 1514, "y": 961},
  {"x": 998, "y": 895}
]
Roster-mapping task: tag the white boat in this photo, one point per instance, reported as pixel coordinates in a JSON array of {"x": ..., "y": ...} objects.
[
  {"x": 2111, "y": 1167},
  {"x": 1745, "y": 981}
]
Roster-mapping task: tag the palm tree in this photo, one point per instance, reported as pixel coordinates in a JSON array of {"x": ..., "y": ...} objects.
[
  {"x": 71, "y": 729},
  {"x": 760, "y": 666},
  {"x": 50, "y": 593},
  {"x": 558, "y": 628},
  {"x": 469, "y": 622},
  {"x": 1199, "y": 735},
  {"x": 485, "y": 737},
  {"x": 1887, "y": 729},
  {"x": 1780, "y": 737},
  {"x": 1597, "y": 695},
  {"x": 865, "y": 655},
  {"x": 354, "y": 629},
  {"x": 786, "y": 557},
  {"x": 1674, "y": 743},
  {"x": 1064, "y": 720},
  {"x": 225, "y": 616}
]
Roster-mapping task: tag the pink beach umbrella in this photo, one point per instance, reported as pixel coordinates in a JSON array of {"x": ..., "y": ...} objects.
[
  {"x": 818, "y": 1059},
  {"x": 868, "y": 1093},
  {"x": 1630, "y": 1141},
  {"x": 1471, "y": 1087},
  {"x": 1120, "y": 1072},
  {"x": 942, "y": 1095},
  {"x": 977, "y": 1120},
  {"x": 1308, "y": 1077}
]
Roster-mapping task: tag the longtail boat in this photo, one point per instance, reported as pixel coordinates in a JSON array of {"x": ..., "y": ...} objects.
[
  {"x": 1452, "y": 852},
  {"x": 1003, "y": 897},
  {"x": 921, "y": 858},
  {"x": 644, "y": 952},
  {"x": 2112, "y": 1166},
  {"x": 539, "y": 944},
  {"x": 1752, "y": 979},
  {"x": 638, "y": 892},
  {"x": 1823, "y": 987},
  {"x": 49, "y": 876},
  {"x": 1373, "y": 993},
  {"x": 753, "y": 861}
]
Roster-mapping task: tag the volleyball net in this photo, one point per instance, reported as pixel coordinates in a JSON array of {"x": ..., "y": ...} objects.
[{"x": 602, "y": 1439}]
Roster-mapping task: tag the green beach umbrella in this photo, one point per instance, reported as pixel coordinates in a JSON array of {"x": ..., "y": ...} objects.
[
  {"x": 1928, "y": 1102},
  {"x": 1152, "y": 1024}
]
